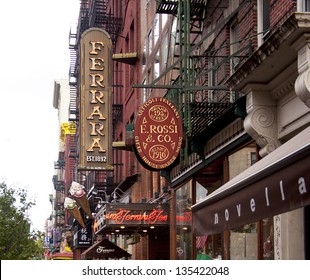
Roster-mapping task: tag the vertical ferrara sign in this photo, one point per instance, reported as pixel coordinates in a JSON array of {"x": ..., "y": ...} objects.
[{"x": 95, "y": 101}]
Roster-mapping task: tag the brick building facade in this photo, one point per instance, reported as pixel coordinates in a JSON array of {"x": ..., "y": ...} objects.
[{"x": 233, "y": 69}]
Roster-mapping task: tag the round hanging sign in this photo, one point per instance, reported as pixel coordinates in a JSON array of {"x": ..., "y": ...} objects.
[{"x": 158, "y": 133}]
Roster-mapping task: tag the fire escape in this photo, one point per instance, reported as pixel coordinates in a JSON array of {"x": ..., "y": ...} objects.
[
  {"x": 59, "y": 187},
  {"x": 58, "y": 200},
  {"x": 193, "y": 87}
]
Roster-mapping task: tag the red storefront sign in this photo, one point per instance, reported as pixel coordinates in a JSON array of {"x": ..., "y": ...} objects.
[
  {"x": 158, "y": 133},
  {"x": 125, "y": 216},
  {"x": 133, "y": 215}
]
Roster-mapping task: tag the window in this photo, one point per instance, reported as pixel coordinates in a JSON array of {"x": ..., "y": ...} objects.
[
  {"x": 211, "y": 76},
  {"x": 156, "y": 28},
  {"x": 307, "y": 6},
  {"x": 243, "y": 242},
  {"x": 144, "y": 92},
  {"x": 268, "y": 238},
  {"x": 234, "y": 46},
  {"x": 164, "y": 19},
  {"x": 149, "y": 80},
  {"x": 303, "y": 5},
  {"x": 263, "y": 19},
  {"x": 156, "y": 65},
  {"x": 266, "y": 16},
  {"x": 164, "y": 51},
  {"x": 252, "y": 158},
  {"x": 150, "y": 42},
  {"x": 183, "y": 222},
  {"x": 201, "y": 192},
  {"x": 144, "y": 56}
]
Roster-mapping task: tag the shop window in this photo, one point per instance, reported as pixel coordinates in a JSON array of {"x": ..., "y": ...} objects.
[
  {"x": 183, "y": 222},
  {"x": 201, "y": 192},
  {"x": 243, "y": 243},
  {"x": 213, "y": 247},
  {"x": 268, "y": 239}
]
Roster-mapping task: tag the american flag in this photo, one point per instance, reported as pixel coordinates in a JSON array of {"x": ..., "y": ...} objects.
[{"x": 201, "y": 241}]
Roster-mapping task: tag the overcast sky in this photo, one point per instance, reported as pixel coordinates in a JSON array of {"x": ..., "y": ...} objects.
[{"x": 34, "y": 51}]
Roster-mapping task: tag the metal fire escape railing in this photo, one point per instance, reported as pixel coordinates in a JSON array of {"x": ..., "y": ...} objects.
[
  {"x": 92, "y": 14},
  {"x": 99, "y": 17},
  {"x": 200, "y": 102}
]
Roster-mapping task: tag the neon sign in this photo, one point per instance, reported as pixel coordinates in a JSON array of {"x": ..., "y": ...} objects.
[
  {"x": 134, "y": 215},
  {"x": 123, "y": 216}
]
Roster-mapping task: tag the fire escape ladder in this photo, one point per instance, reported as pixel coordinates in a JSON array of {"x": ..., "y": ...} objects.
[
  {"x": 83, "y": 18},
  {"x": 186, "y": 32},
  {"x": 100, "y": 17},
  {"x": 72, "y": 159},
  {"x": 193, "y": 70},
  {"x": 73, "y": 76}
]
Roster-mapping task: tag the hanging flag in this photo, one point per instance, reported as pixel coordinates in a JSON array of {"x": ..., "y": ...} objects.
[{"x": 201, "y": 241}]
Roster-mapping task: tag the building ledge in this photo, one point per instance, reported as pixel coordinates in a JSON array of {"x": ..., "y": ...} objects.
[
  {"x": 267, "y": 61},
  {"x": 121, "y": 145},
  {"x": 129, "y": 58}
]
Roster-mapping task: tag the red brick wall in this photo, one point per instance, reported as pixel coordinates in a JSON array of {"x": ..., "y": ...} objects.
[{"x": 280, "y": 10}]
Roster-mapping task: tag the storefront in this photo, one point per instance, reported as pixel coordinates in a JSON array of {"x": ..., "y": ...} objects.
[
  {"x": 246, "y": 210},
  {"x": 135, "y": 224}
]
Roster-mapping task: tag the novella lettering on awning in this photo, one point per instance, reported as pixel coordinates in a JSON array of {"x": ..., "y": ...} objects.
[{"x": 284, "y": 190}]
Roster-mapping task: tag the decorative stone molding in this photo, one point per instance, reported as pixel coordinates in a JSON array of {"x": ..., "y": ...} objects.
[
  {"x": 286, "y": 33},
  {"x": 261, "y": 121},
  {"x": 302, "y": 83}
]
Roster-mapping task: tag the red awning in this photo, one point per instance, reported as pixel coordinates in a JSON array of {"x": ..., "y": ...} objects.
[{"x": 61, "y": 256}]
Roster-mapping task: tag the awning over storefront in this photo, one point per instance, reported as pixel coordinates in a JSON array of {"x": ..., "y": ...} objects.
[
  {"x": 61, "y": 256},
  {"x": 105, "y": 249},
  {"x": 278, "y": 183}
]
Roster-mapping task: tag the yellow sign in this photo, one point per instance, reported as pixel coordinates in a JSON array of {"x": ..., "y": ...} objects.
[
  {"x": 67, "y": 128},
  {"x": 95, "y": 101}
]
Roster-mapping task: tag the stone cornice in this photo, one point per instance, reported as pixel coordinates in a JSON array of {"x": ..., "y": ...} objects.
[{"x": 290, "y": 30}]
